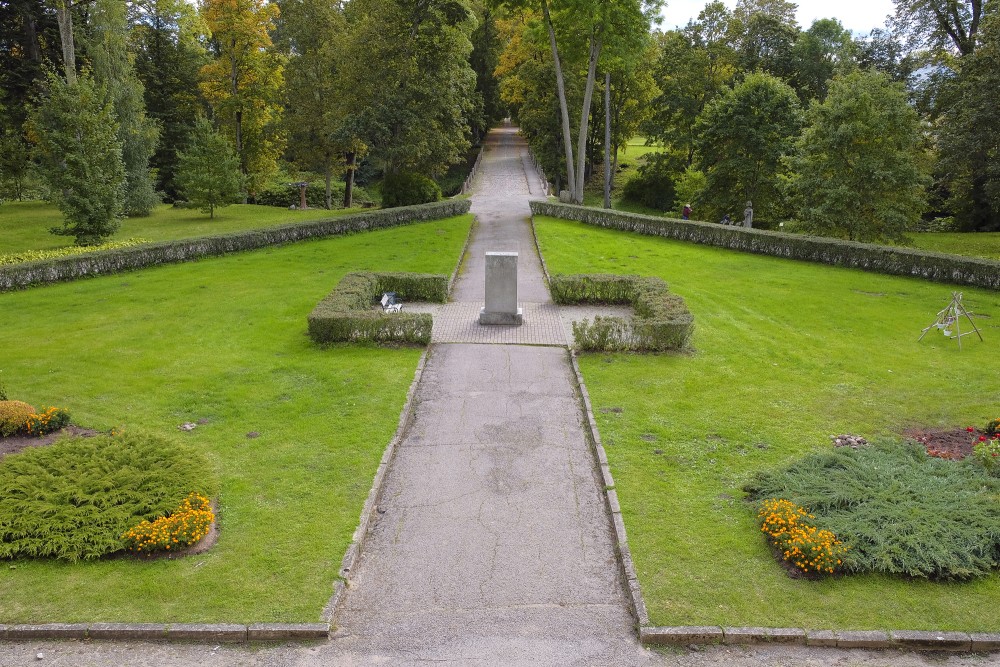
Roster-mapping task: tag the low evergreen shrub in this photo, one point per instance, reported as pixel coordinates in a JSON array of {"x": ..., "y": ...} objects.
[
  {"x": 284, "y": 195},
  {"x": 14, "y": 417},
  {"x": 900, "y": 511},
  {"x": 408, "y": 189},
  {"x": 350, "y": 313},
  {"x": 153, "y": 254},
  {"x": 662, "y": 320},
  {"x": 928, "y": 265},
  {"x": 73, "y": 500}
]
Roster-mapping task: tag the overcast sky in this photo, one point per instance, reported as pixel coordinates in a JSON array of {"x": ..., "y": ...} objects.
[{"x": 859, "y": 16}]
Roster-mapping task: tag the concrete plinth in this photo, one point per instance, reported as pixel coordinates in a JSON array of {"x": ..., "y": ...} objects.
[{"x": 501, "y": 290}]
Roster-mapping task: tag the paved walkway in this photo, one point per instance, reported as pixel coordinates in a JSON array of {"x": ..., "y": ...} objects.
[{"x": 493, "y": 546}]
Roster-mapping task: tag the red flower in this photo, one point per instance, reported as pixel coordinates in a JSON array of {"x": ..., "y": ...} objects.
[
  {"x": 969, "y": 429},
  {"x": 982, "y": 438}
]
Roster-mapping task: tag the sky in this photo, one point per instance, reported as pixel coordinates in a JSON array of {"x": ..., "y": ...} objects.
[{"x": 858, "y": 16}]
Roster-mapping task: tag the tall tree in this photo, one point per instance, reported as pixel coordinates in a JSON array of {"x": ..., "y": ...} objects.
[
  {"x": 137, "y": 133},
  {"x": 75, "y": 131},
  {"x": 857, "y": 169},
  {"x": 413, "y": 116},
  {"x": 484, "y": 59},
  {"x": 949, "y": 25},
  {"x": 821, "y": 51},
  {"x": 970, "y": 136},
  {"x": 29, "y": 36},
  {"x": 764, "y": 33},
  {"x": 245, "y": 82},
  {"x": 166, "y": 37},
  {"x": 694, "y": 66},
  {"x": 208, "y": 171},
  {"x": 742, "y": 138},
  {"x": 315, "y": 117}
]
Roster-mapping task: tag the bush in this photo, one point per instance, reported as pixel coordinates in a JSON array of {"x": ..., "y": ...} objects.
[
  {"x": 928, "y": 265},
  {"x": 284, "y": 195},
  {"x": 75, "y": 499},
  {"x": 790, "y": 529},
  {"x": 13, "y": 417},
  {"x": 406, "y": 189},
  {"x": 47, "y": 421},
  {"x": 185, "y": 526},
  {"x": 986, "y": 452},
  {"x": 903, "y": 512},
  {"x": 349, "y": 312},
  {"x": 167, "y": 252},
  {"x": 653, "y": 184},
  {"x": 662, "y": 320}
]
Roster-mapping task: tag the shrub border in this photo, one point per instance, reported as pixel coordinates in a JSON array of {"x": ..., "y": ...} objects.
[
  {"x": 104, "y": 262},
  {"x": 934, "y": 266},
  {"x": 661, "y": 322}
]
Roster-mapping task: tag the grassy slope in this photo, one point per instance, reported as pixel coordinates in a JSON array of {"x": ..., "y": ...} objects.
[
  {"x": 222, "y": 340},
  {"x": 787, "y": 353},
  {"x": 25, "y": 225},
  {"x": 975, "y": 245}
]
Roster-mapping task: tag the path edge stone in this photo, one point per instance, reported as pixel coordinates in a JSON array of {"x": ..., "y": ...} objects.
[
  {"x": 370, "y": 508},
  {"x": 461, "y": 255}
]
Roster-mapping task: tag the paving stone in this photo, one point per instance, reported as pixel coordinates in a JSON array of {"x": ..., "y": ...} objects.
[
  {"x": 985, "y": 641},
  {"x": 131, "y": 631},
  {"x": 47, "y": 631},
  {"x": 934, "y": 641},
  {"x": 279, "y": 631},
  {"x": 687, "y": 634},
  {"x": 207, "y": 632},
  {"x": 863, "y": 639},
  {"x": 821, "y": 638}
]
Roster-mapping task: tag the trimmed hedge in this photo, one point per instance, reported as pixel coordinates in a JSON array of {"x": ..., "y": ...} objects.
[
  {"x": 928, "y": 265},
  {"x": 662, "y": 320},
  {"x": 350, "y": 313},
  {"x": 128, "y": 259}
]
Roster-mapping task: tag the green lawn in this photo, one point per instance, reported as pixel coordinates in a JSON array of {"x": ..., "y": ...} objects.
[
  {"x": 785, "y": 354},
  {"x": 974, "y": 245},
  {"x": 25, "y": 225},
  {"x": 222, "y": 340}
]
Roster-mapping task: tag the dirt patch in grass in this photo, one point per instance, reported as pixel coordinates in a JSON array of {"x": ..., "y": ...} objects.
[
  {"x": 14, "y": 444},
  {"x": 955, "y": 443}
]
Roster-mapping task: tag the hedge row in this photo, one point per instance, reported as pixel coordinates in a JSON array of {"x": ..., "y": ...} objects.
[
  {"x": 166, "y": 252},
  {"x": 934, "y": 266},
  {"x": 350, "y": 313},
  {"x": 662, "y": 320}
]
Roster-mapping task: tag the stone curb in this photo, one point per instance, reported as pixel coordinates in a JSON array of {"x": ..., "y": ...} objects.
[
  {"x": 627, "y": 567},
  {"x": 538, "y": 251},
  {"x": 461, "y": 255},
  {"x": 910, "y": 640},
  {"x": 192, "y": 632},
  {"x": 370, "y": 508}
]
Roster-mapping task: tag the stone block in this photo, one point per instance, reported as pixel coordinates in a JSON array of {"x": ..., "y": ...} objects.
[
  {"x": 501, "y": 290},
  {"x": 613, "y": 503},
  {"x": 821, "y": 638},
  {"x": 47, "y": 631},
  {"x": 745, "y": 635},
  {"x": 126, "y": 631},
  {"x": 207, "y": 632},
  {"x": 863, "y": 639},
  {"x": 931, "y": 641},
  {"x": 786, "y": 635},
  {"x": 985, "y": 641},
  {"x": 280, "y": 631},
  {"x": 686, "y": 634}
]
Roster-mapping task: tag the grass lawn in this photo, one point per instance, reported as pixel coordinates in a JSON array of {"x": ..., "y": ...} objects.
[
  {"x": 786, "y": 354},
  {"x": 25, "y": 225},
  {"x": 986, "y": 244},
  {"x": 222, "y": 340}
]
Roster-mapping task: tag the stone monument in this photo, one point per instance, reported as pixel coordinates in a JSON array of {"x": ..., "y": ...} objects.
[{"x": 501, "y": 290}]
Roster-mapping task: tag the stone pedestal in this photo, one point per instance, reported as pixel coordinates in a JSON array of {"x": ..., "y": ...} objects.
[{"x": 501, "y": 290}]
